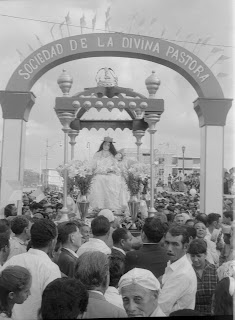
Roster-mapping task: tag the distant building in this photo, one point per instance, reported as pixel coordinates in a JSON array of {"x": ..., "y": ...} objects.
[
  {"x": 51, "y": 177},
  {"x": 166, "y": 162}
]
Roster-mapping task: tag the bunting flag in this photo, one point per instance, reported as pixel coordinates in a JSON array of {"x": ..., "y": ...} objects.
[
  {"x": 204, "y": 42},
  {"x": 141, "y": 22},
  {"x": 39, "y": 41},
  {"x": 178, "y": 32},
  {"x": 38, "y": 194},
  {"x": 106, "y": 26},
  {"x": 213, "y": 51},
  {"x": 132, "y": 20},
  {"x": 20, "y": 55},
  {"x": 107, "y": 13},
  {"x": 187, "y": 37},
  {"x": 82, "y": 23},
  {"x": 163, "y": 32},
  {"x": 51, "y": 31},
  {"x": 220, "y": 59},
  {"x": 222, "y": 75},
  {"x": 60, "y": 26},
  {"x": 93, "y": 23},
  {"x": 30, "y": 48},
  {"x": 198, "y": 41},
  {"x": 153, "y": 21},
  {"x": 68, "y": 21}
]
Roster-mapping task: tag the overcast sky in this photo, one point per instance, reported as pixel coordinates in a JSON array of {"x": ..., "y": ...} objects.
[{"x": 179, "y": 123}]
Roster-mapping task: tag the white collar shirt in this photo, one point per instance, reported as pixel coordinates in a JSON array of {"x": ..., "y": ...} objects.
[
  {"x": 43, "y": 271},
  {"x": 17, "y": 246},
  {"x": 94, "y": 244},
  {"x": 119, "y": 249},
  {"x": 112, "y": 295},
  {"x": 71, "y": 251},
  {"x": 179, "y": 286},
  {"x": 157, "y": 313}
]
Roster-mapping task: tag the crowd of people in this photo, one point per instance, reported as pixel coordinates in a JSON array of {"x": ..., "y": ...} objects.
[{"x": 182, "y": 263}]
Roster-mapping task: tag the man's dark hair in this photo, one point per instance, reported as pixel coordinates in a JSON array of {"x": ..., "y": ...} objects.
[
  {"x": 64, "y": 298},
  {"x": 202, "y": 217},
  {"x": 228, "y": 214},
  {"x": 185, "y": 312},
  {"x": 4, "y": 226},
  {"x": 4, "y": 240},
  {"x": 197, "y": 246},
  {"x": 119, "y": 234},
  {"x": 176, "y": 231},
  {"x": 58, "y": 206},
  {"x": 43, "y": 231},
  {"x": 66, "y": 230},
  {"x": 191, "y": 231},
  {"x": 92, "y": 269},
  {"x": 212, "y": 217},
  {"x": 100, "y": 226},
  {"x": 35, "y": 206},
  {"x": 116, "y": 270},
  {"x": 18, "y": 225},
  {"x": 154, "y": 229},
  {"x": 8, "y": 210},
  {"x": 189, "y": 220}
]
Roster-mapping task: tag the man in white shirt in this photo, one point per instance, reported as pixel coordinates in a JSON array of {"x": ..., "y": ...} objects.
[
  {"x": 179, "y": 280},
  {"x": 20, "y": 226},
  {"x": 42, "y": 269},
  {"x": 100, "y": 228}
]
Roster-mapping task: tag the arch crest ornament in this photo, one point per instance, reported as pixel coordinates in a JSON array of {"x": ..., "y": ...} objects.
[{"x": 119, "y": 45}]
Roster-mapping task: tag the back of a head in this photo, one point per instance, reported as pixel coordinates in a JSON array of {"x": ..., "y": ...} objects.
[
  {"x": 176, "y": 231},
  {"x": 64, "y": 298},
  {"x": 228, "y": 214},
  {"x": 4, "y": 240},
  {"x": 191, "y": 231},
  {"x": 154, "y": 229},
  {"x": 18, "y": 224},
  {"x": 67, "y": 229},
  {"x": 161, "y": 216},
  {"x": 100, "y": 226},
  {"x": 197, "y": 246},
  {"x": 185, "y": 312},
  {"x": 92, "y": 269},
  {"x": 8, "y": 210},
  {"x": 5, "y": 226},
  {"x": 119, "y": 234},
  {"x": 116, "y": 270},
  {"x": 43, "y": 231},
  {"x": 202, "y": 217},
  {"x": 223, "y": 298},
  {"x": 212, "y": 217}
]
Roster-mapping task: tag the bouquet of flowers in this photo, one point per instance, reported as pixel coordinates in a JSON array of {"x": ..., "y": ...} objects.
[
  {"x": 135, "y": 177},
  {"x": 80, "y": 173}
]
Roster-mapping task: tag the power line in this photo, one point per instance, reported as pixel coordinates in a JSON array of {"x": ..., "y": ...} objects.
[{"x": 113, "y": 31}]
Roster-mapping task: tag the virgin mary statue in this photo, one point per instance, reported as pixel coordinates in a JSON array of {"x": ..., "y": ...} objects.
[{"x": 107, "y": 183}]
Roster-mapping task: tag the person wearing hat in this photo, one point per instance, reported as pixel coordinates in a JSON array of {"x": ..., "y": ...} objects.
[
  {"x": 106, "y": 185},
  {"x": 140, "y": 290}
]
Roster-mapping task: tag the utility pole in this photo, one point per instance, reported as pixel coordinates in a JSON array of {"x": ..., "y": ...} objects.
[{"x": 46, "y": 175}]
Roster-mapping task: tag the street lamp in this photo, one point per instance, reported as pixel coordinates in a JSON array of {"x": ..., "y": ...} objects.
[{"x": 183, "y": 150}]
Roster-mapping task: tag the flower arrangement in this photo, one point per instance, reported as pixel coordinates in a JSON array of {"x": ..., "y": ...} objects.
[
  {"x": 135, "y": 177},
  {"x": 80, "y": 173}
]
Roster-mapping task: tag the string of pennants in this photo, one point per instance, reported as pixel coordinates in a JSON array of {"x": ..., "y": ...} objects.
[{"x": 138, "y": 24}]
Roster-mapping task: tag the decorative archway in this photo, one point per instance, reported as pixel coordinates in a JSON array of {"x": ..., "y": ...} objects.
[{"x": 211, "y": 106}]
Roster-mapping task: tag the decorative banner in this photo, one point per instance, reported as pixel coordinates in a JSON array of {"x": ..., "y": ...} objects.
[{"x": 38, "y": 194}]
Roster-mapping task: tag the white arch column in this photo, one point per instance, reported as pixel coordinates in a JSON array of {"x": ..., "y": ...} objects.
[
  {"x": 16, "y": 107},
  {"x": 212, "y": 115}
]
